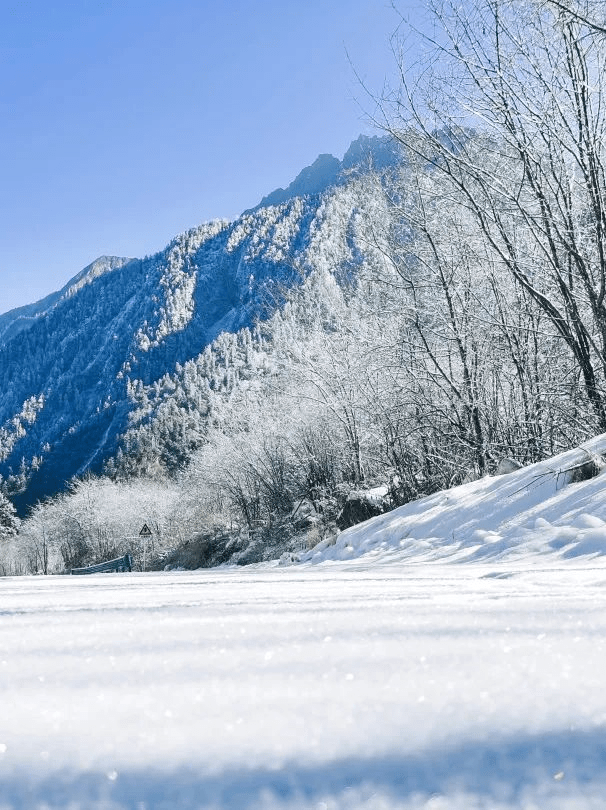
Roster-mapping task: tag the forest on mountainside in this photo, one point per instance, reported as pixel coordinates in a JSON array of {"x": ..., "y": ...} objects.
[{"x": 465, "y": 322}]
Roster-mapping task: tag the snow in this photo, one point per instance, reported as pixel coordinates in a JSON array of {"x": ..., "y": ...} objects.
[
  {"x": 400, "y": 678},
  {"x": 533, "y": 512},
  {"x": 341, "y": 685}
]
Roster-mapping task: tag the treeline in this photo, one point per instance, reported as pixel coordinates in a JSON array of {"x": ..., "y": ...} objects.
[{"x": 471, "y": 325}]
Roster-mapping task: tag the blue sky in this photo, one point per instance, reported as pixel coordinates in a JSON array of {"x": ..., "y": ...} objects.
[{"x": 125, "y": 122}]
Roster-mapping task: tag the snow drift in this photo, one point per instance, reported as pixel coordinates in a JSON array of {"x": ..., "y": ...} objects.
[{"x": 537, "y": 510}]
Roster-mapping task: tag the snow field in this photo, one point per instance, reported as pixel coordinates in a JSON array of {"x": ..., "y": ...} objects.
[{"x": 340, "y": 685}]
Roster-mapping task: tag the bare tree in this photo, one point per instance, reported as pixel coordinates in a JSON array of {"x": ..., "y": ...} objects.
[
  {"x": 583, "y": 11},
  {"x": 508, "y": 110}
]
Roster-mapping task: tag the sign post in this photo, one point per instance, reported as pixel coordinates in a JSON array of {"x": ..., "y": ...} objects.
[{"x": 145, "y": 533}]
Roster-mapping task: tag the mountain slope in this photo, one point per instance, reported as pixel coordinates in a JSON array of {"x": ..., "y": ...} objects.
[
  {"x": 363, "y": 154},
  {"x": 17, "y": 320},
  {"x": 69, "y": 363}
]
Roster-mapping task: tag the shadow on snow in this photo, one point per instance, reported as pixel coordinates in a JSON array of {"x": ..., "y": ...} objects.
[{"x": 502, "y": 770}]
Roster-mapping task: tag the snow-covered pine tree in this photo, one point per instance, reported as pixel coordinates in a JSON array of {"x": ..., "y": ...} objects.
[{"x": 9, "y": 522}]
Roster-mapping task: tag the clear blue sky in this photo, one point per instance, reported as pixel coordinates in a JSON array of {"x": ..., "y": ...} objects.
[{"x": 124, "y": 122}]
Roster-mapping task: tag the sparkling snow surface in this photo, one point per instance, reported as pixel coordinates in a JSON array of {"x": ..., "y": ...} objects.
[{"x": 337, "y": 685}]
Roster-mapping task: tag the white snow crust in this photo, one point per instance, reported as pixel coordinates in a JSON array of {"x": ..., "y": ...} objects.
[{"x": 404, "y": 677}]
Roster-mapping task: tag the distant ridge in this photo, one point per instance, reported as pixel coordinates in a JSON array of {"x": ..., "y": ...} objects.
[{"x": 16, "y": 320}]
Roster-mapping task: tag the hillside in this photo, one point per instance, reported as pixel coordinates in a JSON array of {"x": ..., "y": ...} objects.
[
  {"x": 540, "y": 511},
  {"x": 70, "y": 363},
  {"x": 22, "y": 318}
]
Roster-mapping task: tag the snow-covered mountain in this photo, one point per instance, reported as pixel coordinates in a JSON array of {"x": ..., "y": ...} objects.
[
  {"x": 16, "y": 320},
  {"x": 326, "y": 171},
  {"x": 69, "y": 363}
]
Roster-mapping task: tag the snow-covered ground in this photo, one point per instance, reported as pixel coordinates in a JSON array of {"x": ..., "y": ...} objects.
[
  {"x": 531, "y": 513},
  {"x": 450, "y": 655},
  {"x": 343, "y": 685}
]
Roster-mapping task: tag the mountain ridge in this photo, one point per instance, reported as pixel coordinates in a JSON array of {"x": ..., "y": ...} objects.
[
  {"x": 363, "y": 153},
  {"x": 16, "y": 320}
]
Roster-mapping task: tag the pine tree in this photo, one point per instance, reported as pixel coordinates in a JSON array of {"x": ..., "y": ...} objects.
[{"x": 9, "y": 522}]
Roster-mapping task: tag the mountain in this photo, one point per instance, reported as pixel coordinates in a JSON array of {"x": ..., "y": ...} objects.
[
  {"x": 15, "y": 321},
  {"x": 71, "y": 364},
  {"x": 363, "y": 154}
]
